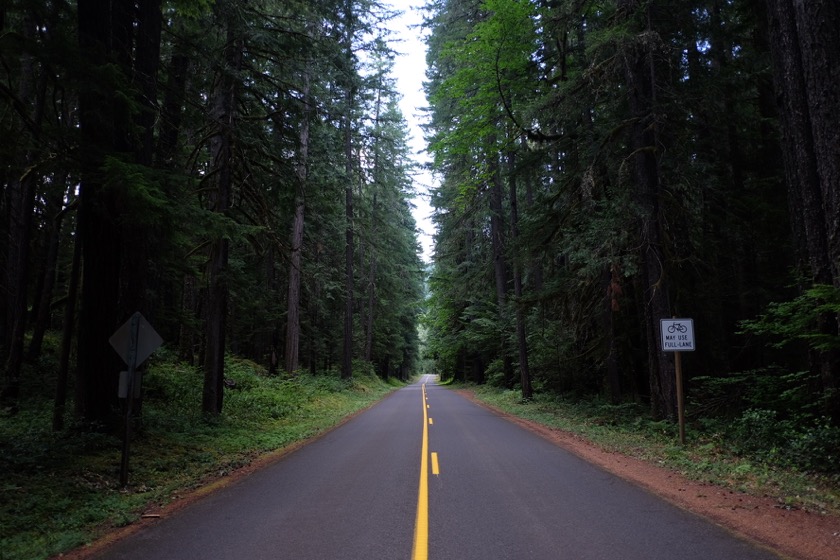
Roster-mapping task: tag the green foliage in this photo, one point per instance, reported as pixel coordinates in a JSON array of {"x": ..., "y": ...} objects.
[
  {"x": 140, "y": 189},
  {"x": 771, "y": 388},
  {"x": 801, "y": 319},
  {"x": 815, "y": 447},
  {"x": 495, "y": 374},
  {"x": 802, "y": 443},
  {"x": 759, "y": 431},
  {"x": 192, "y": 9},
  {"x": 770, "y": 416},
  {"x": 535, "y": 96}
]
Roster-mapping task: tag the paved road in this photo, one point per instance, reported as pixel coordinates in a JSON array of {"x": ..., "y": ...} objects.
[{"x": 490, "y": 490}]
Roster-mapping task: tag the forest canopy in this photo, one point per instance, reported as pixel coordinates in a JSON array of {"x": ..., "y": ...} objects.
[
  {"x": 236, "y": 171},
  {"x": 607, "y": 165}
]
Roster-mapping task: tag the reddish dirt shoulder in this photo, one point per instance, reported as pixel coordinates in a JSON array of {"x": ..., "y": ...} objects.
[{"x": 795, "y": 534}]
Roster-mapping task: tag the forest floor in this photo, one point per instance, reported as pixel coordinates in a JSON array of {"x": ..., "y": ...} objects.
[{"x": 795, "y": 533}]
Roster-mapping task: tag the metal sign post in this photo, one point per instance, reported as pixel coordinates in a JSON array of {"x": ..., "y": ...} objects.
[
  {"x": 677, "y": 337},
  {"x": 134, "y": 341},
  {"x": 132, "y": 366}
]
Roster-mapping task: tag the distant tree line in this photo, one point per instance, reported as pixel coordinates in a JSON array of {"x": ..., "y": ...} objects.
[
  {"x": 237, "y": 171},
  {"x": 604, "y": 165}
]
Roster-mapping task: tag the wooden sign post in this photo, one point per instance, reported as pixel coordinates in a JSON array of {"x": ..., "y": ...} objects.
[{"x": 677, "y": 337}]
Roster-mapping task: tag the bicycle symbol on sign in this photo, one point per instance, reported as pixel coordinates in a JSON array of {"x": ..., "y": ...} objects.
[{"x": 677, "y": 327}]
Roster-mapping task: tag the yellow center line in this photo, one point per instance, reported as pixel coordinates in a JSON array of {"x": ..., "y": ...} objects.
[
  {"x": 421, "y": 524},
  {"x": 435, "y": 465}
]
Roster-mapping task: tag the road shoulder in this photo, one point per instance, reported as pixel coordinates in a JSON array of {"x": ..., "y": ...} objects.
[{"x": 796, "y": 534}]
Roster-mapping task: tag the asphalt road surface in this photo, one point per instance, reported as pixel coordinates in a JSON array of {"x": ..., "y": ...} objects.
[{"x": 426, "y": 474}]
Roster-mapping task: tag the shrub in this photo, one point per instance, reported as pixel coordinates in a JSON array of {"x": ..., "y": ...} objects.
[
  {"x": 804, "y": 443},
  {"x": 817, "y": 447}
]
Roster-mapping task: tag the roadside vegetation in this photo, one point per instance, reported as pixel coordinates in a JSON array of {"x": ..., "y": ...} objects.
[
  {"x": 756, "y": 454},
  {"x": 61, "y": 490}
]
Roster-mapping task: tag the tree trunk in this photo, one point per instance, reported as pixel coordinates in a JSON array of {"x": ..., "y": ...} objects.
[
  {"x": 350, "y": 97},
  {"x": 216, "y": 325},
  {"x": 21, "y": 200},
  {"x": 371, "y": 282},
  {"x": 301, "y": 170},
  {"x": 818, "y": 24},
  {"x": 172, "y": 109},
  {"x": 612, "y": 291},
  {"x": 67, "y": 338},
  {"x": 42, "y": 311},
  {"x": 370, "y": 308},
  {"x": 189, "y": 316},
  {"x": 134, "y": 274},
  {"x": 347, "y": 354},
  {"x": 640, "y": 78},
  {"x": 805, "y": 46},
  {"x": 798, "y": 142},
  {"x": 146, "y": 64},
  {"x": 293, "y": 315},
  {"x": 97, "y": 364},
  {"x": 221, "y": 148},
  {"x": 521, "y": 335},
  {"x": 497, "y": 243},
  {"x": 350, "y": 101}
]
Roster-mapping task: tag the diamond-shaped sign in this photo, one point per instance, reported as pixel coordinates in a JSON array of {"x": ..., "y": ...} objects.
[{"x": 147, "y": 340}]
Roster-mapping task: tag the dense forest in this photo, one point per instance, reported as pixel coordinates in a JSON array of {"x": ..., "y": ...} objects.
[
  {"x": 604, "y": 165},
  {"x": 236, "y": 171}
]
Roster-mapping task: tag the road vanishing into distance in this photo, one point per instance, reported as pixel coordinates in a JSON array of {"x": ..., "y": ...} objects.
[{"x": 427, "y": 474}]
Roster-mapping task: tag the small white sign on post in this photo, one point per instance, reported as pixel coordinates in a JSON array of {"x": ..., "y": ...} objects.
[
  {"x": 134, "y": 341},
  {"x": 677, "y": 335}
]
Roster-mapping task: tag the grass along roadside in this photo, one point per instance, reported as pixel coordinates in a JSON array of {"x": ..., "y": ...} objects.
[
  {"x": 61, "y": 490},
  {"x": 705, "y": 457}
]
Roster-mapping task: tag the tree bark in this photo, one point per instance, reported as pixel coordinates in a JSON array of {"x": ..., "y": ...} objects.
[
  {"x": 221, "y": 149},
  {"x": 347, "y": 354},
  {"x": 350, "y": 97},
  {"x": 521, "y": 334},
  {"x": 21, "y": 200},
  {"x": 145, "y": 26},
  {"x": 301, "y": 170},
  {"x": 100, "y": 237},
  {"x": 42, "y": 311},
  {"x": 293, "y": 315},
  {"x": 805, "y": 49},
  {"x": 172, "y": 109},
  {"x": 371, "y": 282},
  {"x": 640, "y": 79},
  {"x": 67, "y": 338},
  {"x": 817, "y": 26},
  {"x": 500, "y": 268},
  {"x": 371, "y": 303}
]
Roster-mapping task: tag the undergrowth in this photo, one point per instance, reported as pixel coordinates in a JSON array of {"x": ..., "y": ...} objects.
[
  {"x": 712, "y": 453},
  {"x": 60, "y": 490}
]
